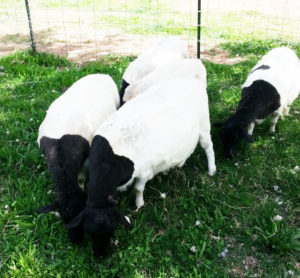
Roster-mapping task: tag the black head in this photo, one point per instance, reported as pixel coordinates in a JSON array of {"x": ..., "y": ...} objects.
[
  {"x": 231, "y": 135},
  {"x": 100, "y": 224},
  {"x": 68, "y": 207},
  {"x": 125, "y": 84}
]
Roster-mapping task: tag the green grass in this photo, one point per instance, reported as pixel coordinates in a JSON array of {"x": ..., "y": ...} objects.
[{"x": 235, "y": 208}]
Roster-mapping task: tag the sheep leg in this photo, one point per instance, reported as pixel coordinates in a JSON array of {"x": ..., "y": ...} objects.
[
  {"x": 274, "y": 119},
  {"x": 286, "y": 110},
  {"x": 250, "y": 128},
  {"x": 207, "y": 145},
  {"x": 139, "y": 190},
  {"x": 181, "y": 164}
]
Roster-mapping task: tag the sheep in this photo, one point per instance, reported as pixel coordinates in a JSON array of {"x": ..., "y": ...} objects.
[
  {"x": 65, "y": 136},
  {"x": 152, "y": 133},
  {"x": 271, "y": 87},
  {"x": 176, "y": 68},
  {"x": 163, "y": 52}
]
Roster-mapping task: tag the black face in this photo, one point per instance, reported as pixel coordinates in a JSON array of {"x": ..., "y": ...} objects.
[
  {"x": 68, "y": 210},
  {"x": 100, "y": 224},
  {"x": 231, "y": 137},
  {"x": 68, "y": 207},
  {"x": 122, "y": 90}
]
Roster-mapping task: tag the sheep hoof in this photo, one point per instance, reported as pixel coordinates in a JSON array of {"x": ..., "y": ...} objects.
[
  {"x": 212, "y": 173},
  {"x": 139, "y": 205}
]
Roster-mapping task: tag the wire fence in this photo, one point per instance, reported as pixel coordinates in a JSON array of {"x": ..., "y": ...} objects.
[{"x": 84, "y": 30}]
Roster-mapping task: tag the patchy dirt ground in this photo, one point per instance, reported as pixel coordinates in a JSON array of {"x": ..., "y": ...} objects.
[{"x": 77, "y": 34}]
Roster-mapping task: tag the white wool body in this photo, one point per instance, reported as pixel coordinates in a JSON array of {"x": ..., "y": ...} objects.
[
  {"x": 160, "y": 129},
  {"x": 283, "y": 74},
  {"x": 163, "y": 52},
  {"x": 81, "y": 109},
  {"x": 174, "y": 69}
]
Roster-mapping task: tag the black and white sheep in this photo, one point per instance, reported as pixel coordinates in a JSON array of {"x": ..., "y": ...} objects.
[
  {"x": 65, "y": 136},
  {"x": 163, "y": 52},
  {"x": 152, "y": 133},
  {"x": 271, "y": 87}
]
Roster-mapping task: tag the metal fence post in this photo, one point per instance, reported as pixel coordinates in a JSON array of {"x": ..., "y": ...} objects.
[
  {"x": 199, "y": 29},
  {"x": 30, "y": 27}
]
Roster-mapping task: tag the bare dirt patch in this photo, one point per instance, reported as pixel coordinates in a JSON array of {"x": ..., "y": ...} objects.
[{"x": 78, "y": 33}]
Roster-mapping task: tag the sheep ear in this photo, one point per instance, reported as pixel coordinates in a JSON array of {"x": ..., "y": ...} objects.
[
  {"x": 48, "y": 208},
  {"x": 218, "y": 124},
  {"x": 76, "y": 220},
  {"x": 248, "y": 138}
]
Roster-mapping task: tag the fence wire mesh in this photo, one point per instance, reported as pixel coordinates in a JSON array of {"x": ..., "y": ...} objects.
[{"x": 83, "y": 30}]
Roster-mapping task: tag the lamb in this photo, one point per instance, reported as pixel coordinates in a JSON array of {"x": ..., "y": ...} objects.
[
  {"x": 271, "y": 87},
  {"x": 65, "y": 136},
  {"x": 152, "y": 133},
  {"x": 163, "y": 52}
]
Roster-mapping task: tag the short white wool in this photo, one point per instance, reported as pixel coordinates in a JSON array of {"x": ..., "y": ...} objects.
[
  {"x": 174, "y": 69},
  {"x": 81, "y": 109},
  {"x": 284, "y": 73},
  {"x": 159, "y": 129}
]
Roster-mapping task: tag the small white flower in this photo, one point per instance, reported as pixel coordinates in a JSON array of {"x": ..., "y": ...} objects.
[
  {"x": 236, "y": 164},
  {"x": 127, "y": 218},
  {"x": 49, "y": 192},
  {"x": 55, "y": 213},
  {"x": 291, "y": 272},
  {"x": 30, "y": 120},
  {"x": 163, "y": 195},
  {"x": 6, "y": 206},
  {"x": 193, "y": 249},
  {"x": 53, "y": 91},
  {"x": 32, "y": 100},
  {"x": 197, "y": 224},
  {"x": 224, "y": 253},
  {"x": 280, "y": 202},
  {"x": 277, "y": 218},
  {"x": 7, "y": 132},
  {"x": 215, "y": 237},
  {"x": 296, "y": 112},
  {"x": 296, "y": 168},
  {"x": 276, "y": 187},
  {"x": 17, "y": 140}
]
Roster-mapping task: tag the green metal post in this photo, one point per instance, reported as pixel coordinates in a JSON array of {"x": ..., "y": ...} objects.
[
  {"x": 30, "y": 27},
  {"x": 199, "y": 29}
]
